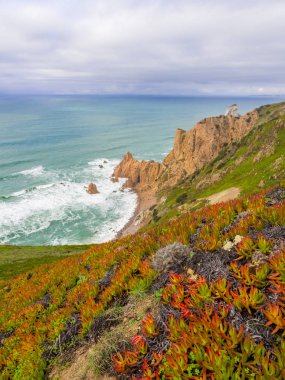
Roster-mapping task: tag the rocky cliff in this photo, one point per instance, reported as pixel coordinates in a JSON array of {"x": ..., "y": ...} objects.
[
  {"x": 192, "y": 150},
  {"x": 140, "y": 174}
]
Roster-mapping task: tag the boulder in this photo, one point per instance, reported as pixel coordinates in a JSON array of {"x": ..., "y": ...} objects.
[{"x": 92, "y": 189}]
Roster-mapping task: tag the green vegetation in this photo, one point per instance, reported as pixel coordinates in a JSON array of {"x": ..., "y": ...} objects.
[
  {"x": 127, "y": 322},
  {"x": 15, "y": 260},
  {"x": 203, "y": 288},
  {"x": 59, "y": 305},
  {"x": 221, "y": 313}
]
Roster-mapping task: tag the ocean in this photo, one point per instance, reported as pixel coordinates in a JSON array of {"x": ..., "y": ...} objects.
[{"x": 51, "y": 147}]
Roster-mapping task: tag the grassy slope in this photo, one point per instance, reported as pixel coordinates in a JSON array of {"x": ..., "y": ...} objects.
[
  {"x": 19, "y": 259},
  {"x": 235, "y": 166},
  {"x": 62, "y": 304},
  {"x": 222, "y": 311},
  {"x": 59, "y": 303}
]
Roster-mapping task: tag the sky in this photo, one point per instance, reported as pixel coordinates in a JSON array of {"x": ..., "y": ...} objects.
[{"x": 164, "y": 47}]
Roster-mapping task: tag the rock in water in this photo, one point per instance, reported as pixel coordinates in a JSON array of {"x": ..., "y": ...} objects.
[
  {"x": 114, "y": 179},
  {"x": 92, "y": 189}
]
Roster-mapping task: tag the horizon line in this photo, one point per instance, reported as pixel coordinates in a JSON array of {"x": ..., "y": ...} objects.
[{"x": 144, "y": 95}]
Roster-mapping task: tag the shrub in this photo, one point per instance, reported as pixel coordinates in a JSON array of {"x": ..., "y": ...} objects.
[
  {"x": 182, "y": 198},
  {"x": 170, "y": 257}
]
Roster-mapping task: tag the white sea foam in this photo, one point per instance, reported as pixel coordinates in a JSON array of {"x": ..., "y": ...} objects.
[
  {"x": 33, "y": 172},
  {"x": 18, "y": 193},
  {"x": 24, "y": 191},
  {"x": 62, "y": 212},
  {"x": 123, "y": 214}
]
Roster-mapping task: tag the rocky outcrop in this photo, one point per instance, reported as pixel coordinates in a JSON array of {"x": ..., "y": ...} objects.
[
  {"x": 232, "y": 111},
  {"x": 140, "y": 174},
  {"x": 192, "y": 150},
  {"x": 197, "y": 147},
  {"x": 92, "y": 189}
]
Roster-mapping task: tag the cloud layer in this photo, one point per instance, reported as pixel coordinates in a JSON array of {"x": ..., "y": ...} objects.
[{"x": 142, "y": 47}]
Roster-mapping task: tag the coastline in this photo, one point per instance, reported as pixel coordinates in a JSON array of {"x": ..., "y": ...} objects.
[{"x": 145, "y": 200}]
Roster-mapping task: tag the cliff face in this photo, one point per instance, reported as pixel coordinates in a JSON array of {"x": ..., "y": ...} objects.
[
  {"x": 141, "y": 175},
  {"x": 192, "y": 150}
]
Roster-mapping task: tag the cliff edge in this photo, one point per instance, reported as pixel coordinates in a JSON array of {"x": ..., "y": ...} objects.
[{"x": 192, "y": 150}]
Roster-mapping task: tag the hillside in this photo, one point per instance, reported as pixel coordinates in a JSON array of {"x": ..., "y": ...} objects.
[
  {"x": 254, "y": 162},
  {"x": 19, "y": 259},
  {"x": 47, "y": 310},
  {"x": 195, "y": 296},
  {"x": 192, "y": 150},
  {"x": 221, "y": 313}
]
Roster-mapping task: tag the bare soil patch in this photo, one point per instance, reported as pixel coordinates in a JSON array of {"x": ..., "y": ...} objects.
[{"x": 224, "y": 196}]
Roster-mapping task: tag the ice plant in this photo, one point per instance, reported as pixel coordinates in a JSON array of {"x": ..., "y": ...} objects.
[
  {"x": 196, "y": 336},
  {"x": 246, "y": 248},
  {"x": 248, "y": 299},
  {"x": 121, "y": 363},
  {"x": 263, "y": 245},
  {"x": 251, "y": 276},
  {"x": 275, "y": 316},
  {"x": 149, "y": 326},
  {"x": 140, "y": 344}
]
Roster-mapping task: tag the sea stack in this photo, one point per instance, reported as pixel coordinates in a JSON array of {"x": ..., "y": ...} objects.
[{"x": 92, "y": 189}]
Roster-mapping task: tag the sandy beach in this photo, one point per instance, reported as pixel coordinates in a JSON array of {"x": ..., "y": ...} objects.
[{"x": 145, "y": 201}]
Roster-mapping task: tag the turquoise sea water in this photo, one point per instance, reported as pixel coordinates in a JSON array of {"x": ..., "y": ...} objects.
[{"x": 53, "y": 146}]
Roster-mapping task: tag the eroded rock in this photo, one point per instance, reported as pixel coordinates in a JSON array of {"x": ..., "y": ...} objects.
[
  {"x": 192, "y": 150},
  {"x": 92, "y": 188}
]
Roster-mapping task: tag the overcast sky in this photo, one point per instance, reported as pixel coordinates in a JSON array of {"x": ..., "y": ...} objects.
[{"x": 195, "y": 47}]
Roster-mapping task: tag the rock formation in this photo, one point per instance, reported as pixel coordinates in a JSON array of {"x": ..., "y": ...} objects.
[
  {"x": 192, "y": 150},
  {"x": 92, "y": 189},
  {"x": 232, "y": 111},
  {"x": 140, "y": 174}
]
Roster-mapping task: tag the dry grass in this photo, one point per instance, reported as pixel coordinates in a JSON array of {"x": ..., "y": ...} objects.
[{"x": 93, "y": 362}]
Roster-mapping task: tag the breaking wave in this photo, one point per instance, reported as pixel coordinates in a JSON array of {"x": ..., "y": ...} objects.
[
  {"x": 33, "y": 172},
  {"x": 60, "y": 211}
]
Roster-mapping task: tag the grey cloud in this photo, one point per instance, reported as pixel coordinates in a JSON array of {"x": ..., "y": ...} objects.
[{"x": 163, "y": 47}]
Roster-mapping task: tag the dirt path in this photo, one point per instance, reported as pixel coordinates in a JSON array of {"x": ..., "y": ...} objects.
[
  {"x": 225, "y": 195},
  {"x": 85, "y": 361}
]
